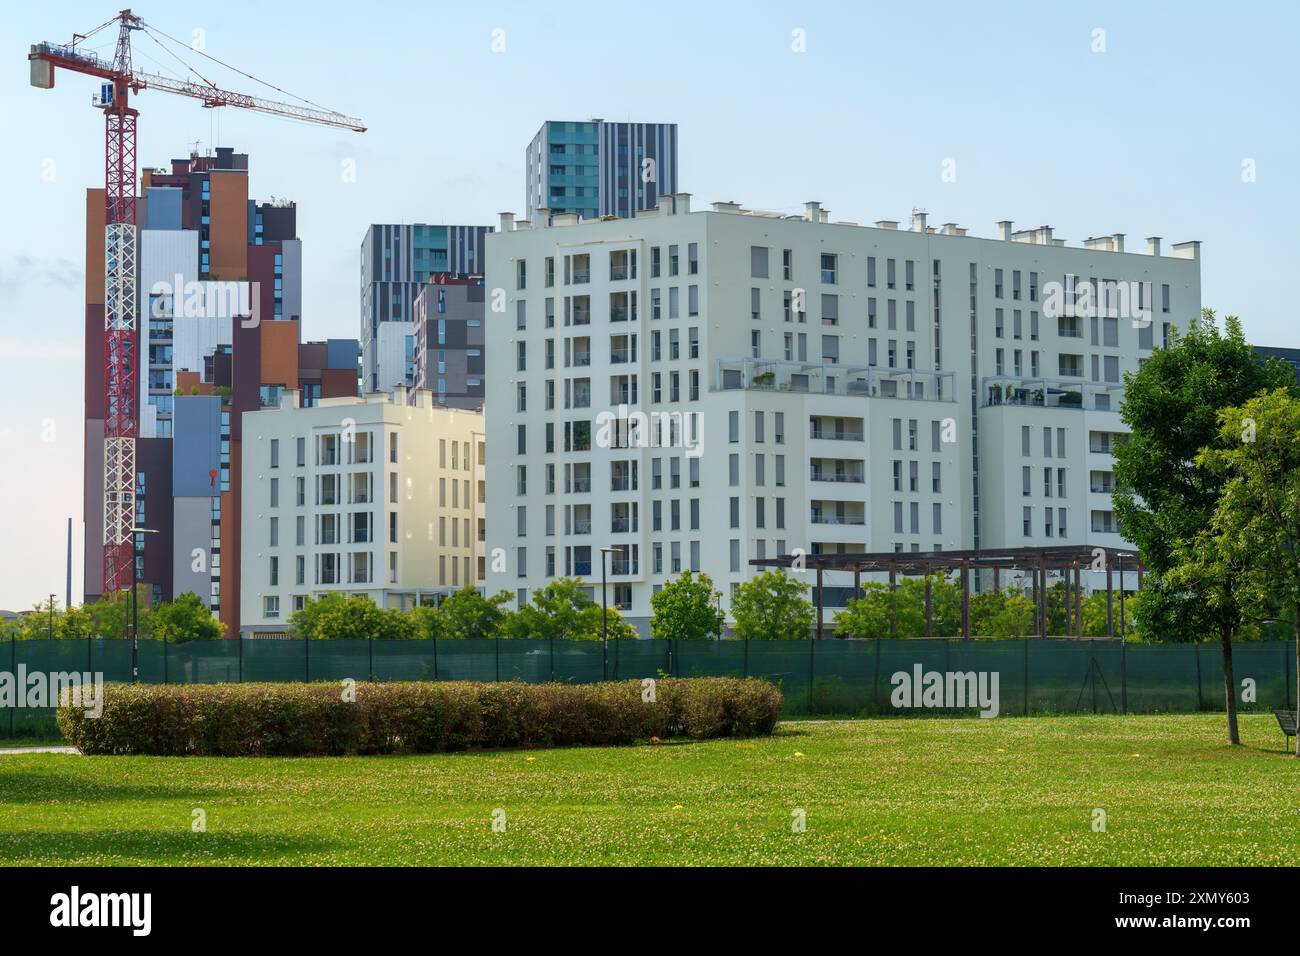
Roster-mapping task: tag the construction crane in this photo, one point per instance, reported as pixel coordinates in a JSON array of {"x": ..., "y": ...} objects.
[{"x": 121, "y": 335}]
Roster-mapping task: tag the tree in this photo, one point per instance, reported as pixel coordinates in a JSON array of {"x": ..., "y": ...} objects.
[
  {"x": 686, "y": 608},
  {"x": 336, "y": 617},
  {"x": 1163, "y": 500},
  {"x": 562, "y": 610},
  {"x": 771, "y": 607},
  {"x": 881, "y": 612},
  {"x": 185, "y": 619},
  {"x": 1252, "y": 551},
  {"x": 468, "y": 614}
]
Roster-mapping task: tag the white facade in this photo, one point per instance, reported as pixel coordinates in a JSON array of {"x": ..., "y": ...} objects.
[
  {"x": 889, "y": 413},
  {"x": 368, "y": 496}
]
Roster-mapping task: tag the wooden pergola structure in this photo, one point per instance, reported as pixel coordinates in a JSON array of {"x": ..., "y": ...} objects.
[{"x": 1069, "y": 560}]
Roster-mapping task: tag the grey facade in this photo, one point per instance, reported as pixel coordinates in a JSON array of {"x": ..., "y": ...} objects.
[
  {"x": 1290, "y": 356},
  {"x": 396, "y": 261},
  {"x": 449, "y": 343},
  {"x": 596, "y": 168}
]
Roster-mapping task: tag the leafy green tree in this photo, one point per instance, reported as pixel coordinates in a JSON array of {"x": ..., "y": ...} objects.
[
  {"x": 185, "y": 619},
  {"x": 304, "y": 621},
  {"x": 562, "y": 610},
  {"x": 1253, "y": 549},
  {"x": 468, "y": 614},
  {"x": 772, "y": 606},
  {"x": 1163, "y": 500},
  {"x": 427, "y": 622},
  {"x": 686, "y": 608},
  {"x": 1010, "y": 616},
  {"x": 336, "y": 617},
  {"x": 881, "y": 612}
]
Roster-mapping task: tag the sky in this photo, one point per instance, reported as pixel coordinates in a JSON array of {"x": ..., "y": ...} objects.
[{"x": 1175, "y": 119}]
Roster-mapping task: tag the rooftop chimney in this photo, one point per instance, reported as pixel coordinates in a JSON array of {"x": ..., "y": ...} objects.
[
  {"x": 918, "y": 221},
  {"x": 1045, "y": 235},
  {"x": 813, "y": 211},
  {"x": 1004, "y": 229},
  {"x": 1153, "y": 245},
  {"x": 665, "y": 204},
  {"x": 1117, "y": 242},
  {"x": 543, "y": 216},
  {"x": 507, "y": 221},
  {"x": 886, "y": 223},
  {"x": 683, "y": 203},
  {"x": 1187, "y": 250}
]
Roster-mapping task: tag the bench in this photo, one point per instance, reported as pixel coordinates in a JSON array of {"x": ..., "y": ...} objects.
[{"x": 1286, "y": 720}]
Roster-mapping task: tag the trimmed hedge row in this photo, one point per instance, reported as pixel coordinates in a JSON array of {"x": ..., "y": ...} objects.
[{"x": 252, "y": 720}]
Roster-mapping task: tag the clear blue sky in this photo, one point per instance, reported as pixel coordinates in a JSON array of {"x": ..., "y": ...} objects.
[{"x": 1147, "y": 137}]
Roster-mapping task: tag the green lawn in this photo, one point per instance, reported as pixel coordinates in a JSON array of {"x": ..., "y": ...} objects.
[{"x": 920, "y": 791}]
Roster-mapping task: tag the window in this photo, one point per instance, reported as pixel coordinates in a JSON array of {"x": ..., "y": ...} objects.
[
  {"x": 758, "y": 262},
  {"x": 828, "y": 268}
]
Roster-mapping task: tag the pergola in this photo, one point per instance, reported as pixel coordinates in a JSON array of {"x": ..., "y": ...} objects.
[{"x": 1070, "y": 560}]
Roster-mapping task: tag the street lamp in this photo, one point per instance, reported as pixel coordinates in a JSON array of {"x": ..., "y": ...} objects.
[
  {"x": 604, "y": 617},
  {"x": 135, "y": 601}
]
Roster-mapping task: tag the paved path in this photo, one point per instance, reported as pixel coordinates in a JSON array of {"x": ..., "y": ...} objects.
[{"x": 38, "y": 750}]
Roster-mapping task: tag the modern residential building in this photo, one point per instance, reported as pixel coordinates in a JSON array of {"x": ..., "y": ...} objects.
[
  {"x": 1288, "y": 355},
  {"x": 220, "y": 296},
  {"x": 701, "y": 389},
  {"x": 379, "y": 496},
  {"x": 396, "y": 262},
  {"x": 449, "y": 343},
  {"x": 598, "y": 168}
]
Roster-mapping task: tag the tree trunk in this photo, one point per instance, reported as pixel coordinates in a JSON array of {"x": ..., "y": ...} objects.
[{"x": 1229, "y": 685}]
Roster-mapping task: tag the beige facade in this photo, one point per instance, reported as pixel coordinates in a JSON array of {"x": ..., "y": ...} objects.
[{"x": 367, "y": 496}]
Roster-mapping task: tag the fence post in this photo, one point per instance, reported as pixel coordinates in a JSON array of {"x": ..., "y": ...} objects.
[
  {"x": 1200, "y": 701},
  {"x": 370, "y": 652},
  {"x": 166, "y": 672},
  {"x": 746, "y": 657},
  {"x": 90, "y": 657},
  {"x": 1026, "y": 676},
  {"x": 497, "y": 649},
  {"x": 875, "y": 680},
  {"x": 306, "y": 658},
  {"x": 435, "y": 656},
  {"x": 812, "y": 669},
  {"x": 1123, "y": 677}
]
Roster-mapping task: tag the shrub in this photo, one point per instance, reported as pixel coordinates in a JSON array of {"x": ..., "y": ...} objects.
[{"x": 241, "y": 720}]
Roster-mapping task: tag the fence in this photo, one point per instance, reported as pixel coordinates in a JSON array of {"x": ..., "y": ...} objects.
[{"x": 830, "y": 677}]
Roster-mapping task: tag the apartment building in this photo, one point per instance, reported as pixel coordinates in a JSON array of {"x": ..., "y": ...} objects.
[
  {"x": 220, "y": 279},
  {"x": 449, "y": 342},
  {"x": 380, "y": 496},
  {"x": 596, "y": 168},
  {"x": 700, "y": 389},
  {"x": 396, "y": 262}
]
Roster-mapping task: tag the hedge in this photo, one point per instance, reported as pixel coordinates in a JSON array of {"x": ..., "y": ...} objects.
[{"x": 251, "y": 720}]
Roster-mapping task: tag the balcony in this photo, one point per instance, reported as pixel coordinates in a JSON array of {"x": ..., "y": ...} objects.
[
  {"x": 620, "y": 565},
  {"x": 824, "y": 517},
  {"x": 620, "y": 525},
  {"x": 582, "y": 569},
  {"x": 620, "y": 356},
  {"x": 620, "y": 483},
  {"x": 816, "y": 378},
  {"x": 843, "y": 477},
  {"x": 581, "y": 359},
  {"x": 581, "y": 526},
  {"x": 580, "y": 486},
  {"x": 833, "y": 434}
]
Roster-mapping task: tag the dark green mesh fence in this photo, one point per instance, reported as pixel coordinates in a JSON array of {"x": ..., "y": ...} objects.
[{"x": 832, "y": 677}]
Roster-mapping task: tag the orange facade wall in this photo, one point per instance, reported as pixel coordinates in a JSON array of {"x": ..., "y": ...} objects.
[
  {"x": 338, "y": 383},
  {"x": 228, "y": 232},
  {"x": 94, "y": 247},
  {"x": 279, "y": 347}
]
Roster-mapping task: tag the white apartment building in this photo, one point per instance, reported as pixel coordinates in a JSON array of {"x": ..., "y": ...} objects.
[
  {"x": 366, "y": 496},
  {"x": 842, "y": 389}
]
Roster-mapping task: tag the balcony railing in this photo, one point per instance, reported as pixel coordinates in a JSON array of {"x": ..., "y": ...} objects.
[
  {"x": 618, "y": 314},
  {"x": 581, "y": 526},
  {"x": 620, "y": 483},
  {"x": 838, "y": 476},
  {"x": 619, "y": 356},
  {"x": 581, "y": 359},
  {"x": 618, "y": 272},
  {"x": 581, "y": 276},
  {"x": 620, "y": 566},
  {"x": 620, "y": 525},
  {"x": 819, "y": 517},
  {"x": 582, "y": 568},
  {"x": 581, "y": 486},
  {"x": 833, "y": 434}
]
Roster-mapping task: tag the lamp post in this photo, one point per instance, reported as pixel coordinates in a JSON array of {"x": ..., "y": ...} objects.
[
  {"x": 604, "y": 616},
  {"x": 135, "y": 599}
]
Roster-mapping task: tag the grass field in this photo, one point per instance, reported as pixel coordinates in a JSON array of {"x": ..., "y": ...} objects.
[{"x": 923, "y": 791}]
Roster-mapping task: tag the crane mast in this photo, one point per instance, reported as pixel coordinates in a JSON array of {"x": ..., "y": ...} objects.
[{"x": 121, "y": 332}]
